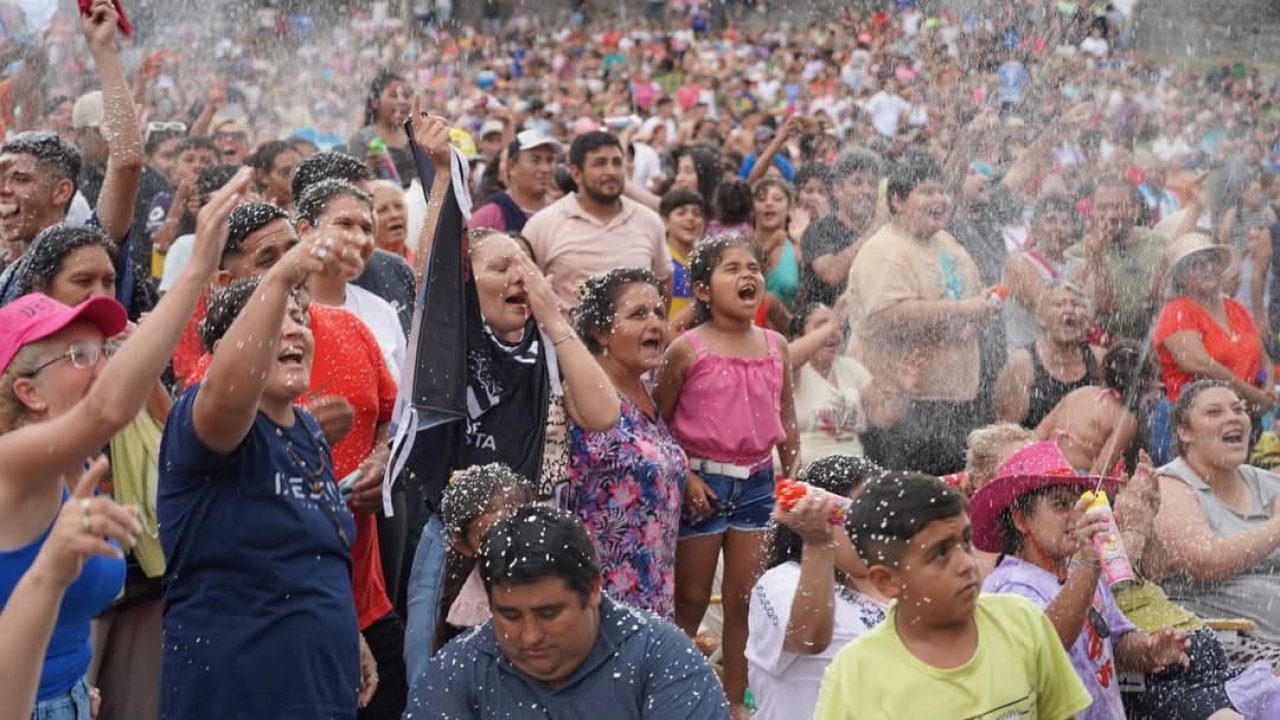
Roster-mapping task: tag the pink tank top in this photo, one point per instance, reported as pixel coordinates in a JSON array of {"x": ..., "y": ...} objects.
[{"x": 730, "y": 409}]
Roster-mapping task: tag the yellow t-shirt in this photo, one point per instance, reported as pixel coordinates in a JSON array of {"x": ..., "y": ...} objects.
[
  {"x": 893, "y": 267},
  {"x": 1019, "y": 672}
]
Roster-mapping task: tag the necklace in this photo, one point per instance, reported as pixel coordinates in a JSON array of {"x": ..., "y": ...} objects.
[{"x": 315, "y": 477}]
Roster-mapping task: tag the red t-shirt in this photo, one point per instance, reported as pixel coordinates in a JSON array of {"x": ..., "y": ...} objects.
[
  {"x": 349, "y": 363},
  {"x": 1237, "y": 349},
  {"x": 190, "y": 350}
]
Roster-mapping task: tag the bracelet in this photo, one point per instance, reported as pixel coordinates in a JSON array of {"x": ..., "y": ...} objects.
[{"x": 568, "y": 335}]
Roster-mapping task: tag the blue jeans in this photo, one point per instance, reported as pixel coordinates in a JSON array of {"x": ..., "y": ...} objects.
[
  {"x": 426, "y": 582},
  {"x": 742, "y": 505},
  {"x": 73, "y": 705}
]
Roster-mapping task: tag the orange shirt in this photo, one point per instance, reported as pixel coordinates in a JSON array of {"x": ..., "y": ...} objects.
[
  {"x": 1235, "y": 347},
  {"x": 348, "y": 363}
]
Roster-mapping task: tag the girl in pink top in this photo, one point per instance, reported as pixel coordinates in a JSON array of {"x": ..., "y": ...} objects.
[{"x": 724, "y": 388}]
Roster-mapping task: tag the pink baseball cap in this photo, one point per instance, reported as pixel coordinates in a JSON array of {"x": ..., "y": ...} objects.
[{"x": 35, "y": 317}]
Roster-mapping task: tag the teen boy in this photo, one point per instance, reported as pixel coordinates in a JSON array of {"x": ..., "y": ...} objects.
[{"x": 943, "y": 650}]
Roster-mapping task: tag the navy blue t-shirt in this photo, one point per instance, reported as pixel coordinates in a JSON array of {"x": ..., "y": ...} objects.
[{"x": 259, "y": 620}]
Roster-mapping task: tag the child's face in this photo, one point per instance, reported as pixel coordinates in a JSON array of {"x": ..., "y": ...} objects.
[
  {"x": 737, "y": 284},
  {"x": 478, "y": 527},
  {"x": 1051, "y": 521},
  {"x": 937, "y": 578}
]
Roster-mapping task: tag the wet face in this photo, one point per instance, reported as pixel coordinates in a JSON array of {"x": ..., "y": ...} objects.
[
  {"x": 1065, "y": 316},
  {"x": 638, "y": 338},
  {"x": 545, "y": 628},
  {"x": 504, "y": 303},
  {"x": 233, "y": 143},
  {"x": 291, "y": 374},
  {"x": 395, "y": 103},
  {"x": 601, "y": 175},
  {"x": 1216, "y": 430},
  {"x": 1050, "y": 521},
  {"x": 275, "y": 184},
  {"x": 532, "y": 170},
  {"x": 392, "y": 215},
  {"x": 1114, "y": 212},
  {"x": 1200, "y": 275},
  {"x": 59, "y": 384},
  {"x": 818, "y": 319},
  {"x": 857, "y": 195},
  {"x": 686, "y": 174},
  {"x": 350, "y": 220},
  {"x": 259, "y": 251},
  {"x": 737, "y": 285},
  {"x": 31, "y": 198},
  {"x": 926, "y": 209},
  {"x": 164, "y": 158},
  {"x": 686, "y": 224},
  {"x": 813, "y": 197},
  {"x": 771, "y": 208},
  {"x": 1054, "y": 230},
  {"x": 191, "y": 161},
  {"x": 937, "y": 577},
  {"x": 85, "y": 273}
]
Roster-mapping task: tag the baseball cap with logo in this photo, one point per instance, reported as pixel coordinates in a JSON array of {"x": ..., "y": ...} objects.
[{"x": 35, "y": 317}]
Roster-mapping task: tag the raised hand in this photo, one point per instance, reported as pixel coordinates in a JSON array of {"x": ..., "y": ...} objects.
[
  {"x": 85, "y": 527},
  {"x": 211, "y": 223},
  {"x": 431, "y": 133},
  {"x": 100, "y": 24}
]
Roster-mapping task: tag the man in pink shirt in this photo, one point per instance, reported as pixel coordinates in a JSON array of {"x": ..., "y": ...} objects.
[
  {"x": 596, "y": 229},
  {"x": 531, "y": 161}
]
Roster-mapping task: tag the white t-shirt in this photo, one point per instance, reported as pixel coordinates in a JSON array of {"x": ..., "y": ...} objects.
[
  {"x": 381, "y": 318},
  {"x": 175, "y": 260},
  {"x": 886, "y": 110},
  {"x": 830, "y": 418},
  {"x": 1094, "y": 46},
  {"x": 786, "y": 684},
  {"x": 647, "y": 164}
]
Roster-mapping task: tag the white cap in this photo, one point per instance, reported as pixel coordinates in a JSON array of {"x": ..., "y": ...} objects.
[
  {"x": 530, "y": 139},
  {"x": 88, "y": 111},
  {"x": 491, "y": 126}
]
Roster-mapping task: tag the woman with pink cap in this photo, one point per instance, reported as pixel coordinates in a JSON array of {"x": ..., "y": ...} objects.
[{"x": 61, "y": 400}]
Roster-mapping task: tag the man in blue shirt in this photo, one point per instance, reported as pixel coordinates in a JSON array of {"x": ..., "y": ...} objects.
[{"x": 556, "y": 647}]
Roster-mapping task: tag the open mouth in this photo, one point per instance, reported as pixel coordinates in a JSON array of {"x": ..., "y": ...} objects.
[
  {"x": 9, "y": 213},
  {"x": 292, "y": 355},
  {"x": 517, "y": 299},
  {"x": 1234, "y": 436},
  {"x": 748, "y": 291},
  {"x": 651, "y": 343}
]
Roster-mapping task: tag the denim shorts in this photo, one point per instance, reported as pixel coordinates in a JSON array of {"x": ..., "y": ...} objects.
[
  {"x": 71, "y": 705},
  {"x": 743, "y": 505}
]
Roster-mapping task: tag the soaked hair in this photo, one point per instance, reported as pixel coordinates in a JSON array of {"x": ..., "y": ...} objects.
[
  {"x": 1056, "y": 202},
  {"x": 894, "y": 508},
  {"x": 599, "y": 302},
  {"x": 588, "y": 143},
  {"x": 264, "y": 158},
  {"x": 678, "y": 198},
  {"x": 478, "y": 490},
  {"x": 909, "y": 174},
  {"x": 535, "y": 543},
  {"x": 855, "y": 160},
  {"x": 225, "y": 307},
  {"x": 1122, "y": 367},
  {"x": 837, "y": 474},
  {"x": 245, "y": 220},
  {"x": 376, "y": 88},
  {"x": 761, "y": 188},
  {"x": 983, "y": 455},
  {"x": 197, "y": 142},
  {"x": 815, "y": 171},
  {"x": 704, "y": 258},
  {"x": 42, "y": 262},
  {"x": 211, "y": 179},
  {"x": 801, "y": 317},
  {"x": 328, "y": 165},
  {"x": 706, "y": 165},
  {"x": 54, "y": 154},
  {"x": 1045, "y": 302},
  {"x": 732, "y": 202},
  {"x": 311, "y": 204},
  {"x": 1181, "y": 416}
]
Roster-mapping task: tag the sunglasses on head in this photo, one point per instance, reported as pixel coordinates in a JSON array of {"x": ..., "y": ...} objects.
[{"x": 165, "y": 128}]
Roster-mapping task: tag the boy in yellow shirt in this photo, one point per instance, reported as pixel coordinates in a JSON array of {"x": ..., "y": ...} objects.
[{"x": 943, "y": 651}]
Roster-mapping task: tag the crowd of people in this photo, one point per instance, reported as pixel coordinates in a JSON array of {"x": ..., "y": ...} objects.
[{"x": 950, "y": 270}]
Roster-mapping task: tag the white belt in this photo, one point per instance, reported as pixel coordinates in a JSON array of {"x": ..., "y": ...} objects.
[{"x": 711, "y": 467}]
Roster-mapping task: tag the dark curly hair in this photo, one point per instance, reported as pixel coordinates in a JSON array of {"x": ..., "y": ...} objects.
[
  {"x": 703, "y": 260},
  {"x": 379, "y": 84},
  {"x": 43, "y": 260},
  {"x": 51, "y": 152},
  {"x": 599, "y": 302},
  {"x": 837, "y": 474},
  {"x": 244, "y": 220},
  {"x": 313, "y": 202},
  {"x": 476, "y": 490}
]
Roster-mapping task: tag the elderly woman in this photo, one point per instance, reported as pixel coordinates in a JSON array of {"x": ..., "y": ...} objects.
[
  {"x": 626, "y": 483},
  {"x": 59, "y": 405},
  {"x": 1203, "y": 334},
  {"x": 1218, "y": 519},
  {"x": 1037, "y": 376}
]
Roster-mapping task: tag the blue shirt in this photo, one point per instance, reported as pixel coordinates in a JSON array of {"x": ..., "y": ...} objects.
[
  {"x": 783, "y": 165},
  {"x": 641, "y": 667},
  {"x": 67, "y": 659},
  {"x": 259, "y": 620}
]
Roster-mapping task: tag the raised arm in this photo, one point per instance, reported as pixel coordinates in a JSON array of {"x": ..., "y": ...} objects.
[
  {"x": 811, "y": 622},
  {"x": 431, "y": 133},
  {"x": 1190, "y": 545},
  {"x": 119, "y": 124}
]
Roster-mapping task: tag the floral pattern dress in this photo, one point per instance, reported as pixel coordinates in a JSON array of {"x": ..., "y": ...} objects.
[{"x": 626, "y": 485}]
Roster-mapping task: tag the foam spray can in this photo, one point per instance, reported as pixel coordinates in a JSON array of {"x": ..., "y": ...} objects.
[{"x": 1116, "y": 569}]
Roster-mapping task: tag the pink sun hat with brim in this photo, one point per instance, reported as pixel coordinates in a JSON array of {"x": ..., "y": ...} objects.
[
  {"x": 35, "y": 317},
  {"x": 1035, "y": 466}
]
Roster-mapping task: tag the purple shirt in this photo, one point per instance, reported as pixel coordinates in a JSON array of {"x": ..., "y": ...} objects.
[{"x": 1092, "y": 656}]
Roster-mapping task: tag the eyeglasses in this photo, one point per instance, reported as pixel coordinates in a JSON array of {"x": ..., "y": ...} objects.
[
  {"x": 82, "y": 355},
  {"x": 155, "y": 128}
]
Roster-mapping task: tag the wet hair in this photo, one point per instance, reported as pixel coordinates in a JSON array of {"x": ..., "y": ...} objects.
[
  {"x": 1181, "y": 415},
  {"x": 224, "y": 308},
  {"x": 678, "y": 198},
  {"x": 763, "y": 185},
  {"x": 1122, "y": 367},
  {"x": 535, "y": 543},
  {"x": 599, "y": 302},
  {"x": 732, "y": 202},
  {"x": 376, "y": 88},
  {"x": 43, "y": 260},
  {"x": 983, "y": 457},
  {"x": 245, "y": 220},
  {"x": 315, "y": 200},
  {"x": 52, "y": 153},
  {"x": 197, "y": 142},
  {"x": 211, "y": 179},
  {"x": 855, "y": 160},
  {"x": 1055, "y": 202},
  {"x": 154, "y": 140},
  {"x": 264, "y": 157},
  {"x": 909, "y": 174},
  {"x": 815, "y": 171},
  {"x": 706, "y": 165},
  {"x": 837, "y": 474},
  {"x": 703, "y": 259},
  {"x": 1045, "y": 301},
  {"x": 478, "y": 490},
  {"x": 893, "y": 508},
  {"x": 303, "y": 145},
  {"x": 328, "y": 165},
  {"x": 589, "y": 143}
]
